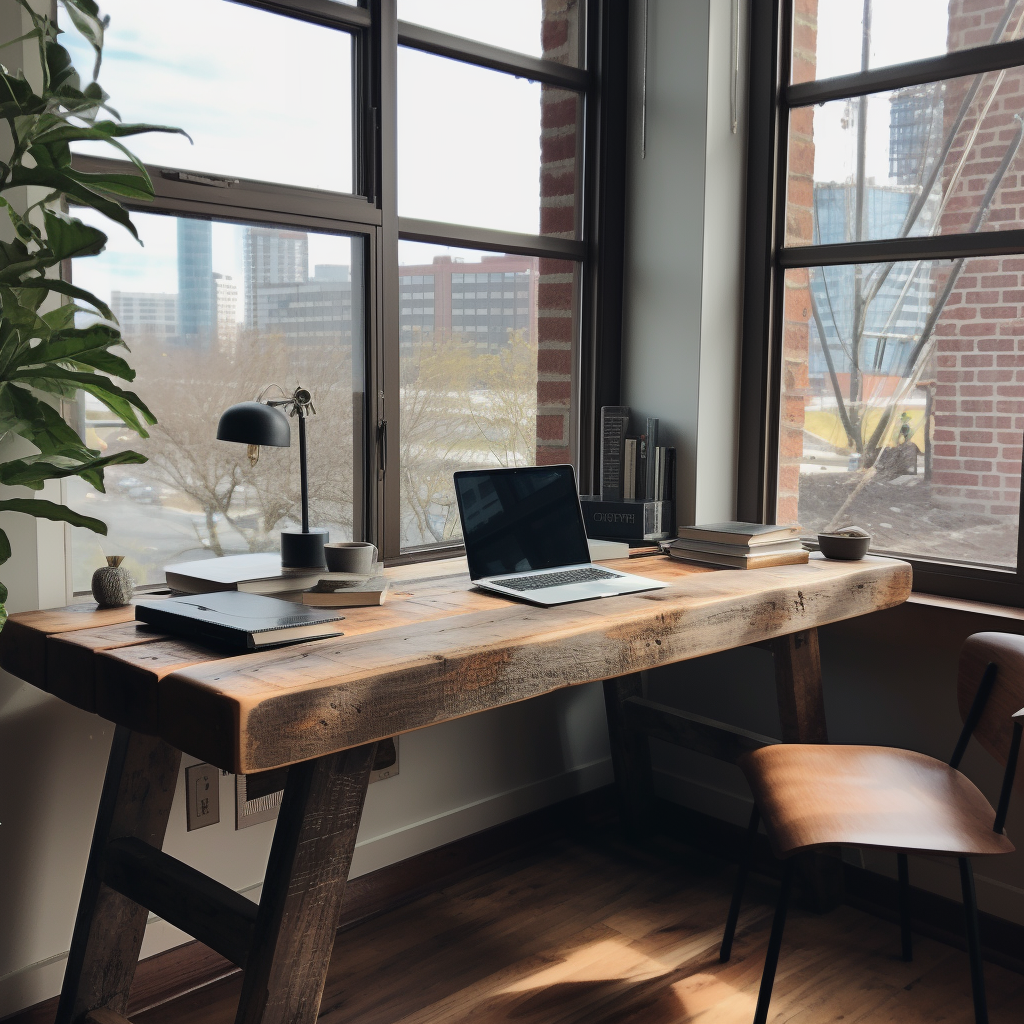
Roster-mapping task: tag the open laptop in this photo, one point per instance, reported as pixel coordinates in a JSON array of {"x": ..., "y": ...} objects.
[{"x": 524, "y": 536}]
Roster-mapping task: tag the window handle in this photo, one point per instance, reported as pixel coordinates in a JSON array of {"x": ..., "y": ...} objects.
[{"x": 382, "y": 446}]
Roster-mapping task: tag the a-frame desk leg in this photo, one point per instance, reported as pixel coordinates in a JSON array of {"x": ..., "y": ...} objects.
[
  {"x": 802, "y": 715},
  {"x": 631, "y": 756},
  {"x": 305, "y": 883},
  {"x": 138, "y": 789}
]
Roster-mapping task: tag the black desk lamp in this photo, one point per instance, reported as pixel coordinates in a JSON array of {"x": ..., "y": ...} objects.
[{"x": 263, "y": 423}]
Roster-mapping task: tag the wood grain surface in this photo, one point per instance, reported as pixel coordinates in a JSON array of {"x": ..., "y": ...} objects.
[
  {"x": 438, "y": 649},
  {"x": 588, "y": 933},
  {"x": 814, "y": 796}
]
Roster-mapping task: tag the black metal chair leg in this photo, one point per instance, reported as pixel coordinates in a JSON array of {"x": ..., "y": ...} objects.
[
  {"x": 973, "y": 941},
  {"x": 905, "y": 936},
  {"x": 764, "y": 996},
  {"x": 741, "y": 882}
]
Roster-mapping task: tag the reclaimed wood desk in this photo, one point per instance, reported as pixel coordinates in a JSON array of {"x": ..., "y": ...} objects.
[{"x": 436, "y": 651}]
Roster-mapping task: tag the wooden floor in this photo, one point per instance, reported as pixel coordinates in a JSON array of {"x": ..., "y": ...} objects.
[{"x": 593, "y": 932}]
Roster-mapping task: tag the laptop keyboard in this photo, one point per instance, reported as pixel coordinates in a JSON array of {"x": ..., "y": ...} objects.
[{"x": 557, "y": 579}]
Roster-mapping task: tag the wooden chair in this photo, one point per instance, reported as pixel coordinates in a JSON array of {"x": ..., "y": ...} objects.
[{"x": 812, "y": 796}]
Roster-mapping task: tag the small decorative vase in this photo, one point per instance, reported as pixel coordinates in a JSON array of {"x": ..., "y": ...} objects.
[{"x": 113, "y": 586}]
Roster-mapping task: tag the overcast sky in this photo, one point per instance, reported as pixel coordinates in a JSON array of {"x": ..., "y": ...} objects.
[
  {"x": 275, "y": 104},
  {"x": 901, "y": 30}
]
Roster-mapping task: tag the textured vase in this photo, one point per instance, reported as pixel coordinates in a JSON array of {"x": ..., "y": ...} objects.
[{"x": 112, "y": 585}]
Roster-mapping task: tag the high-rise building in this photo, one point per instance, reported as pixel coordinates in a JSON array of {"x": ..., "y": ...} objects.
[
  {"x": 271, "y": 256},
  {"x": 897, "y": 312},
  {"x": 145, "y": 314},
  {"x": 226, "y": 295},
  {"x": 915, "y": 131},
  {"x": 196, "y": 293}
]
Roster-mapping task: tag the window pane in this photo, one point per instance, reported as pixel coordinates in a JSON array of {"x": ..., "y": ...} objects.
[
  {"x": 942, "y": 158},
  {"x": 539, "y": 28},
  {"x": 828, "y": 35},
  {"x": 256, "y": 91},
  {"x": 515, "y": 168},
  {"x": 213, "y": 312},
  {"x": 488, "y": 369},
  {"x": 910, "y": 426}
]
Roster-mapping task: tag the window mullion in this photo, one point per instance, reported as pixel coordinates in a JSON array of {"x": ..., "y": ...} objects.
[{"x": 386, "y": 442}]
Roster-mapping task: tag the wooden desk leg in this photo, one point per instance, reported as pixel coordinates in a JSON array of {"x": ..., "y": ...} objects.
[
  {"x": 136, "y": 801},
  {"x": 802, "y": 713},
  {"x": 300, "y": 906},
  {"x": 631, "y": 755}
]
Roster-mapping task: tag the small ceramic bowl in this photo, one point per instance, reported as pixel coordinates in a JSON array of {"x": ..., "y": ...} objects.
[{"x": 843, "y": 546}]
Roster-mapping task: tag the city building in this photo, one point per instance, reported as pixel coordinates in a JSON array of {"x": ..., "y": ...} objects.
[
  {"x": 196, "y": 292},
  {"x": 226, "y": 297},
  {"x": 482, "y": 301},
  {"x": 271, "y": 256},
  {"x": 146, "y": 314}
]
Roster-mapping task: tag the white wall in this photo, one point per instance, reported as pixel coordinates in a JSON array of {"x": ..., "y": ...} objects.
[{"x": 684, "y": 244}]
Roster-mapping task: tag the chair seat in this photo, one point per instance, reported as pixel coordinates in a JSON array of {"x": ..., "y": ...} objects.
[{"x": 813, "y": 795}]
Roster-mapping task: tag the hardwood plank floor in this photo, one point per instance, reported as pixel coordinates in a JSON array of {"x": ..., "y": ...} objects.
[{"x": 596, "y": 932}]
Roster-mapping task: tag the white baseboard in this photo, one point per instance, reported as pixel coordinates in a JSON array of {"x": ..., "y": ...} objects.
[{"x": 38, "y": 981}]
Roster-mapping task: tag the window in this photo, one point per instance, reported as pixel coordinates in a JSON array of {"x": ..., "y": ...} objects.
[
  {"x": 398, "y": 224},
  {"x": 892, "y": 361}
]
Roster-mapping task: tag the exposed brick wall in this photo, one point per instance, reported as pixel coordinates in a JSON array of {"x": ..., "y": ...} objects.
[
  {"x": 799, "y": 228},
  {"x": 556, "y": 299},
  {"x": 979, "y": 357}
]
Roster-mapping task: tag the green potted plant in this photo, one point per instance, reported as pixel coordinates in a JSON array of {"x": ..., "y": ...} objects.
[{"x": 47, "y": 354}]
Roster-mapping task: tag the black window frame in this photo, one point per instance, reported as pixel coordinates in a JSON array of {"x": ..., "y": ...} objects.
[
  {"x": 371, "y": 213},
  {"x": 767, "y": 258}
]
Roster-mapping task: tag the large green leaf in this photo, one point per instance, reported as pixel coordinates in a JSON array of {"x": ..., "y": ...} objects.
[
  {"x": 66, "y": 288},
  {"x": 5, "y": 553},
  {"x": 85, "y": 16},
  {"x": 59, "y": 181},
  {"x": 55, "y": 435},
  {"x": 121, "y": 403},
  {"x": 50, "y": 510},
  {"x": 19, "y": 410},
  {"x": 60, "y": 68},
  {"x": 35, "y": 470},
  {"x": 68, "y": 237},
  {"x": 88, "y": 345}
]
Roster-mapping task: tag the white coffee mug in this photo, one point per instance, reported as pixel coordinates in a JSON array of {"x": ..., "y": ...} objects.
[{"x": 350, "y": 556}]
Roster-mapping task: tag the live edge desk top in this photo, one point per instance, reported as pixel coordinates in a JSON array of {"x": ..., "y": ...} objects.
[{"x": 439, "y": 649}]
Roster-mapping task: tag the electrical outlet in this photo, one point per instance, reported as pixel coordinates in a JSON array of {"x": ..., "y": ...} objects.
[
  {"x": 385, "y": 765},
  {"x": 202, "y": 796}
]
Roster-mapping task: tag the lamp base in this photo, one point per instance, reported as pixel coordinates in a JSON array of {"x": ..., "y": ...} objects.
[{"x": 303, "y": 550}]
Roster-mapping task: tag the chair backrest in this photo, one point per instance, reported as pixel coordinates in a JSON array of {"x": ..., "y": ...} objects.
[{"x": 994, "y": 729}]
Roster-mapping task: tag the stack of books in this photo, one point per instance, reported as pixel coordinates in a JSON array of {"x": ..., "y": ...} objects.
[
  {"x": 739, "y": 545},
  {"x": 262, "y": 573}
]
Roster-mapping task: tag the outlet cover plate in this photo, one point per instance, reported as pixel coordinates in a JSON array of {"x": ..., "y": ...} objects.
[{"x": 202, "y": 796}]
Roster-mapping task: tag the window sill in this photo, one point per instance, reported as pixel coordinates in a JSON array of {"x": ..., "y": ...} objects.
[{"x": 958, "y": 604}]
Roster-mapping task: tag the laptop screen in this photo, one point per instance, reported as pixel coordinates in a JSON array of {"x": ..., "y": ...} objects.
[{"x": 514, "y": 520}]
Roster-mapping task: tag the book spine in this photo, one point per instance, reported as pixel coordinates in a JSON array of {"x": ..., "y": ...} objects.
[
  {"x": 613, "y": 431},
  {"x": 640, "y": 487},
  {"x": 629, "y": 475},
  {"x": 670, "y": 475},
  {"x": 650, "y": 491}
]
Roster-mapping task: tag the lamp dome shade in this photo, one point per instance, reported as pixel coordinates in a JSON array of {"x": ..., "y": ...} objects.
[{"x": 255, "y": 423}]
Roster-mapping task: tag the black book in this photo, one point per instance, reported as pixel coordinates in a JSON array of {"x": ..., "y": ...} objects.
[
  {"x": 248, "y": 622},
  {"x": 614, "y": 424}
]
